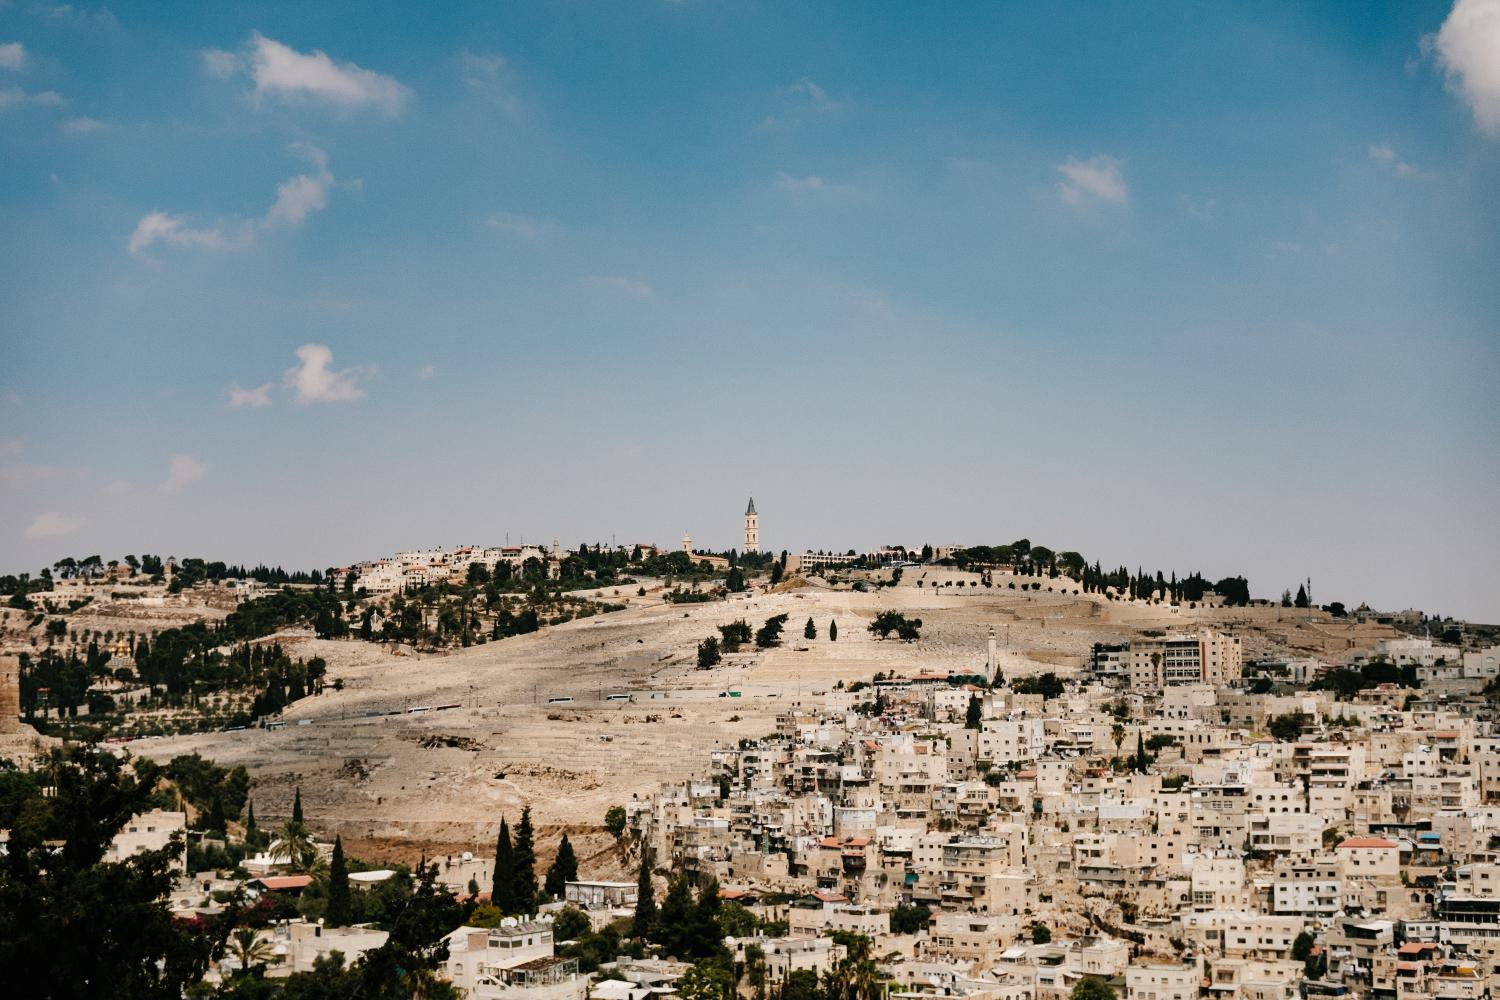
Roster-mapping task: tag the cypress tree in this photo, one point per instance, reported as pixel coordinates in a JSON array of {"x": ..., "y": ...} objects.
[
  {"x": 297, "y": 807},
  {"x": 833, "y": 630},
  {"x": 564, "y": 869},
  {"x": 974, "y": 719},
  {"x": 525, "y": 864},
  {"x": 810, "y": 631},
  {"x": 250, "y": 819},
  {"x": 675, "y": 928},
  {"x": 502, "y": 893},
  {"x": 645, "y": 899},
  {"x": 216, "y": 821},
  {"x": 339, "y": 912},
  {"x": 702, "y": 934}
]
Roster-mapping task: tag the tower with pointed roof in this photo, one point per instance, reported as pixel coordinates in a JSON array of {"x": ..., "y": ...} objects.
[{"x": 752, "y": 530}]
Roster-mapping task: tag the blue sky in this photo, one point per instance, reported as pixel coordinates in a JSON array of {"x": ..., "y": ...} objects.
[{"x": 1179, "y": 285}]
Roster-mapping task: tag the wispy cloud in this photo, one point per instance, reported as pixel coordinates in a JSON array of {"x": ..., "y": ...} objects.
[
  {"x": 1097, "y": 179},
  {"x": 280, "y": 72},
  {"x": 296, "y": 199},
  {"x": 808, "y": 184},
  {"x": 304, "y": 194},
  {"x": 523, "y": 226},
  {"x": 12, "y": 56},
  {"x": 1385, "y": 154},
  {"x": 803, "y": 100},
  {"x": 426, "y": 372},
  {"x": 484, "y": 73},
  {"x": 52, "y": 524},
  {"x": 1468, "y": 50},
  {"x": 117, "y": 488},
  {"x": 14, "y": 97},
  {"x": 93, "y": 18},
  {"x": 184, "y": 469},
  {"x": 625, "y": 286},
  {"x": 252, "y": 398},
  {"x": 313, "y": 381},
  {"x": 82, "y": 125}
]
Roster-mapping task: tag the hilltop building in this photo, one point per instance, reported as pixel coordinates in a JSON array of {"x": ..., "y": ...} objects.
[{"x": 752, "y": 528}]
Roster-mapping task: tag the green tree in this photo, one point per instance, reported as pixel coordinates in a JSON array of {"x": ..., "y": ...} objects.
[
  {"x": 524, "y": 862},
  {"x": 72, "y": 924},
  {"x": 705, "y": 981},
  {"x": 570, "y": 923},
  {"x": 974, "y": 718},
  {"x": 294, "y": 846},
  {"x": 809, "y": 631},
  {"x": 503, "y": 888},
  {"x": 910, "y": 919},
  {"x": 801, "y": 985},
  {"x": 564, "y": 869},
  {"x": 645, "y": 897},
  {"x": 1093, "y": 988},
  {"x": 297, "y": 807},
  {"x": 702, "y": 935},
  {"x": 708, "y": 653},
  {"x": 1302, "y": 947},
  {"x": 1288, "y": 727},
  {"x": 614, "y": 821},
  {"x": 250, "y": 950},
  {"x": 769, "y": 634},
  {"x": 833, "y": 630},
  {"x": 1040, "y": 933},
  {"x": 673, "y": 930},
  {"x": 340, "y": 911}
]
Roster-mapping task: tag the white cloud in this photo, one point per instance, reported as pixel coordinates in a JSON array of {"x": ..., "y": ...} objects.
[
  {"x": 12, "y": 56},
  {"x": 53, "y": 525},
  {"x": 118, "y": 488},
  {"x": 296, "y": 199},
  {"x": 173, "y": 230},
  {"x": 253, "y": 398},
  {"x": 1468, "y": 49},
  {"x": 183, "y": 470},
  {"x": 281, "y": 72},
  {"x": 314, "y": 382},
  {"x": 519, "y": 225},
  {"x": 426, "y": 371},
  {"x": 816, "y": 95},
  {"x": 81, "y": 126},
  {"x": 625, "y": 286},
  {"x": 219, "y": 64},
  {"x": 302, "y": 195},
  {"x": 12, "y": 97},
  {"x": 1097, "y": 179},
  {"x": 1384, "y": 154}
]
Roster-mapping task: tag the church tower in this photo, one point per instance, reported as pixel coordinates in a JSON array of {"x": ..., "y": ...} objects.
[{"x": 752, "y": 531}]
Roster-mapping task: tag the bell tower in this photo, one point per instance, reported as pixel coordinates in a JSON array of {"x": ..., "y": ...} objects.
[{"x": 752, "y": 530}]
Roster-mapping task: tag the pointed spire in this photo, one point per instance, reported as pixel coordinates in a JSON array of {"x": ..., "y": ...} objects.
[{"x": 750, "y": 509}]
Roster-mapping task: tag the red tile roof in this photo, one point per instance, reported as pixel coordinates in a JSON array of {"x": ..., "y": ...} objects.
[{"x": 274, "y": 882}]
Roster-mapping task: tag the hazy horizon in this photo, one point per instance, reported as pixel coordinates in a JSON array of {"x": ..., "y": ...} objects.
[{"x": 1179, "y": 287}]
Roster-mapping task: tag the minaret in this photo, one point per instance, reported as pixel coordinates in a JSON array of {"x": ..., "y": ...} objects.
[
  {"x": 752, "y": 531},
  {"x": 687, "y": 543}
]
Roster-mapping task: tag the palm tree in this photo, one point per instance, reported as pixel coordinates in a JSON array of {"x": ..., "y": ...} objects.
[
  {"x": 250, "y": 949},
  {"x": 294, "y": 845}
]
